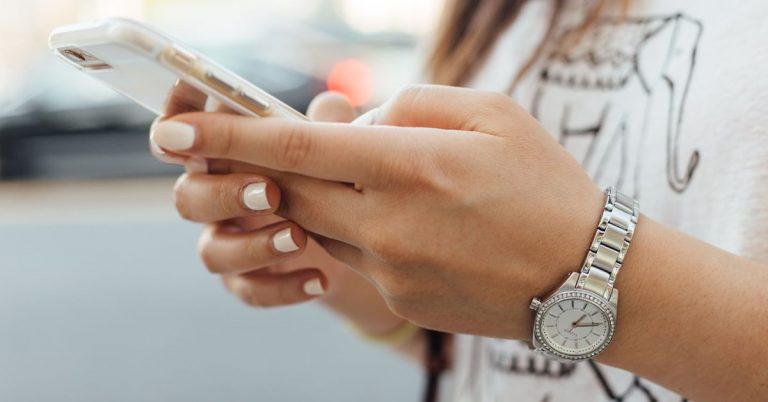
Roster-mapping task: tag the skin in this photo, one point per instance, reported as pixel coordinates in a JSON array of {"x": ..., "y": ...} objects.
[
  {"x": 463, "y": 208},
  {"x": 262, "y": 276}
]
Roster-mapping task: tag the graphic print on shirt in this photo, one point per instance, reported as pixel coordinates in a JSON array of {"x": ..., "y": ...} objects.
[
  {"x": 600, "y": 89},
  {"x": 512, "y": 358}
]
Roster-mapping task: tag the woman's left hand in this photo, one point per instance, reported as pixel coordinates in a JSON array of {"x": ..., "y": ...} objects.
[{"x": 463, "y": 208}]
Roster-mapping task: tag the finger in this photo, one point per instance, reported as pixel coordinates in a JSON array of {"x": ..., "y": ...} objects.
[
  {"x": 184, "y": 98},
  {"x": 369, "y": 267},
  {"x": 215, "y": 105},
  {"x": 450, "y": 108},
  {"x": 208, "y": 198},
  {"x": 225, "y": 166},
  {"x": 331, "y": 107},
  {"x": 330, "y": 209},
  {"x": 224, "y": 252},
  {"x": 332, "y": 151},
  {"x": 193, "y": 164},
  {"x": 261, "y": 289},
  {"x": 159, "y": 153},
  {"x": 251, "y": 223},
  {"x": 328, "y": 106},
  {"x": 344, "y": 252}
]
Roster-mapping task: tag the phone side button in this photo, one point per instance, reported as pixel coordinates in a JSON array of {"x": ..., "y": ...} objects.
[
  {"x": 178, "y": 58},
  {"x": 218, "y": 82},
  {"x": 259, "y": 104}
]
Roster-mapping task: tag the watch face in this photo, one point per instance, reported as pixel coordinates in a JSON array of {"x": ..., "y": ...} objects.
[{"x": 575, "y": 325}]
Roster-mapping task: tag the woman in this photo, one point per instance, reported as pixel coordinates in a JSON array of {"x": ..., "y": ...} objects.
[{"x": 454, "y": 208}]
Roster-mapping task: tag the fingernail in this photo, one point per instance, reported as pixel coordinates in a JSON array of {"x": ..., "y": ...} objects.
[
  {"x": 174, "y": 135},
  {"x": 197, "y": 164},
  {"x": 155, "y": 148},
  {"x": 314, "y": 287},
  {"x": 283, "y": 241},
  {"x": 163, "y": 156},
  {"x": 255, "y": 197}
]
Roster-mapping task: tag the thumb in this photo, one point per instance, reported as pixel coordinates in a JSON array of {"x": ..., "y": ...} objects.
[{"x": 331, "y": 107}]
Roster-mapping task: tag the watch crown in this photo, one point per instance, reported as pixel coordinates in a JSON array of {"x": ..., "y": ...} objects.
[{"x": 535, "y": 304}]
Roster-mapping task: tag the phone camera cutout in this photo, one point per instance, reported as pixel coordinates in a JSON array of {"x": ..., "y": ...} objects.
[
  {"x": 74, "y": 55},
  {"x": 83, "y": 59}
]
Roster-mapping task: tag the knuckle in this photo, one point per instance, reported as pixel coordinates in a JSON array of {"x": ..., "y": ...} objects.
[
  {"x": 408, "y": 94},
  {"x": 419, "y": 170},
  {"x": 401, "y": 104},
  {"x": 248, "y": 295},
  {"x": 294, "y": 145},
  {"x": 208, "y": 259},
  {"x": 225, "y": 198},
  {"x": 278, "y": 296},
  {"x": 180, "y": 199},
  {"x": 254, "y": 253},
  {"x": 284, "y": 295},
  {"x": 223, "y": 143},
  {"x": 206, "y": 252},
  {"x": 402, "y": 168},
  {"x": 493, "y": 104},
  {"x": 498, "y": 102}
]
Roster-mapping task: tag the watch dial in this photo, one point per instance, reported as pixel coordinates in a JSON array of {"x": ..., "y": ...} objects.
[{"x": 574, "y": 326}]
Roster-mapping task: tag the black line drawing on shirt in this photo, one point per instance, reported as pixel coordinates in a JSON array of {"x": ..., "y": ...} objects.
[
  {"x": 529, "y": 364},
  {"x": 600, "y": 89},
  {"x": 521, "y": 362}
]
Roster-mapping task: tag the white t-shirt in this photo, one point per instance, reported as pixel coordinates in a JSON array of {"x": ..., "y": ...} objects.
[{"x": 671, "y": 105}]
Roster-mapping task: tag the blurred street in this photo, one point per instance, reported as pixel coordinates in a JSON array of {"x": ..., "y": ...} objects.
[{"x": 102, "y": 298}]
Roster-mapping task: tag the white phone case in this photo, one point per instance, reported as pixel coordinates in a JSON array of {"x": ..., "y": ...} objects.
[{"x": 146, "y": 66}]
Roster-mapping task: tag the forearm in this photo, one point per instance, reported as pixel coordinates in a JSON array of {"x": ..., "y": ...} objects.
[{"x": 692, "y": 317}]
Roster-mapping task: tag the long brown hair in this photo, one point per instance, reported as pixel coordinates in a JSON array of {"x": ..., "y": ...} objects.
[{"x": 468, "y": 30}]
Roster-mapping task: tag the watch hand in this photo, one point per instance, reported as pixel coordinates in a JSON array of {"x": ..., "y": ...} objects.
[
  {"x": 594, "y": 324},
  {"x": 573, "y": 324}
]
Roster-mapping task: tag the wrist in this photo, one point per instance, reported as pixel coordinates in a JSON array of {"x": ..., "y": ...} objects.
[
  {"x": 637, "y": 310},
  {"x": 578, "y": 320}
]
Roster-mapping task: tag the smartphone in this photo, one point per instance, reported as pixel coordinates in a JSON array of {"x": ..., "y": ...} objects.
[{"x": 150, "y": 68}]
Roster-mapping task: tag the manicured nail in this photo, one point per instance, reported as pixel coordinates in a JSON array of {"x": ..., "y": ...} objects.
[
  {"x": 155, "y": 148},
  {"x": 283, "y": 241},
  {"x": 197, "y": 164},
  {"x": 174, "y": 135},
  {"x": 255, "y": 196},
  {"x": 314, "y": 287},
  {"x": 163, "y": 156}
]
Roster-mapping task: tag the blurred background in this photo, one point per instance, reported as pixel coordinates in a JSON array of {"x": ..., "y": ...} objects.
[{"x": 102, "y": 297}]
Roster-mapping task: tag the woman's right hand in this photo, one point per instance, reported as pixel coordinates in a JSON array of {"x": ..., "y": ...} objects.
[{"x": 243, "y": 245}]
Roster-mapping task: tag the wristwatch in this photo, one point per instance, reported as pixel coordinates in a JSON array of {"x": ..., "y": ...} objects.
[{"x": 578, "y": 320}]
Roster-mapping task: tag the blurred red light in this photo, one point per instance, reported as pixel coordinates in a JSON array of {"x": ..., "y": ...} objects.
[{"x": 353, "y": 78}]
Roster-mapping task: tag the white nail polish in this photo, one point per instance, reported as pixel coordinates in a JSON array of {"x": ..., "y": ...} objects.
[
  {"x": 174, "y": 135},
  {"x": 255, "y": 196},
  {"x": 163, "y": 156},
  {"x": 283, "y": 241},
  {"x": 155, "y": 148},
  {"x": 314, "y": 287},
  {"x": 196, "y": 164}
]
